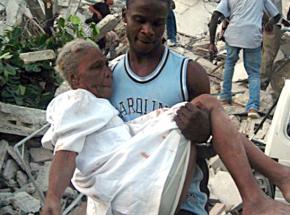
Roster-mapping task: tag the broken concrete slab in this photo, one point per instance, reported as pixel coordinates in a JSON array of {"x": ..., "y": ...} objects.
[
  {"x": 107, "y": 24},
  {"x": 42, "y": 176},
  {"x": 3, "y": 152},
  {"x": 21, "y": 178},
  {"x": 36, "y": 9},
  {"x": 25, "y": 202},
  {"x": 73, "y": 6},
  {"x": 261, "y": 135},
  {"x": 222, "y": 186},
  {"x": 20, "y": 120},
  {"x": 248, "y": 126},
  {"x": 7, "y": 210},
  {"x": 10, "y": 169},
  {"x": 184, "y": 16},
  {"x": 13, "y": 154},
  {"x": 36, "y": 56},
  {"x": 206, "y": 64},
  {"x": 14, "y": 11},
  {"x": 266, "y": 99},
  {"x": 234, "y": 109},
  {"x": 216, "y": 164},
  {"x": 5, "y": 198},
  {"x": 70, "y": 193},
  {"x": 35, "y": 167},
  {"x": 218, "y": 209},
  {"x": 40, "y": 154},
  {"x": 28, "y": 188},
  {"x": 11, "y": 184}
]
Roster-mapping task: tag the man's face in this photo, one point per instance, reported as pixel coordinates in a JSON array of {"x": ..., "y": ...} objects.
[
  {"x": 145, "y": 24},
  {"x": 94, "y": 74},
  {"x": 109, "y": 2}
]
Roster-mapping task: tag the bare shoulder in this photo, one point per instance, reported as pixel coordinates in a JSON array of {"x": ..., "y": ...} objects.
[{"x": 197, "y": 80}]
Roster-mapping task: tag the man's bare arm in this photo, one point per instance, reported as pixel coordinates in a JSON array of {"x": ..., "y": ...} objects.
[
  {"x": 195, "y": 122},
  {"x": 61, "y": 172}
]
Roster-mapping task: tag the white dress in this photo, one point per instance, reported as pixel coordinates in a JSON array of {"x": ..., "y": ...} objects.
[{"x": 123, "y": 168}]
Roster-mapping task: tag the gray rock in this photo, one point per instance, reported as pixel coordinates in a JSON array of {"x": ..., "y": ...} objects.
[
  {"x": 5, "y": 198},
  {"x": 7, "y": 210},
  {"x": 42, "y": 177},
  {"x": 21, "y": 178},
  {"x": 3, "y": 152},
  {"x": 25, "y": 202},
  {"x": 10, "y": 169},
  {"x": 40, "y": 154},
  {"x": 28, "y": 188}
]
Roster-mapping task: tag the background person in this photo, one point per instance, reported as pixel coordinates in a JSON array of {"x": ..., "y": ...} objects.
[
  {"x": 100, "y": 10},
  {"x": 271, "y": 45},
  {"x": 243, "y": 33}
]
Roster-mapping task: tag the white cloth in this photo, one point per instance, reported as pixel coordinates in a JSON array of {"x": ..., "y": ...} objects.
[{"x": 122, "y": 168}]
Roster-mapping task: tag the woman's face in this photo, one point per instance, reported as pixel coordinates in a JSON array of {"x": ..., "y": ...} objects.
[{"x": 94, "y": 74}]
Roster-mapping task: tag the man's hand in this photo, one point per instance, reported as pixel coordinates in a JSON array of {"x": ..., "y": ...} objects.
[
  {"x": 207, "y": 102},
  {"x": 193, "y": 122},
  {"x": 212, "y": 49},
  {"x": 51, "y": 206}
]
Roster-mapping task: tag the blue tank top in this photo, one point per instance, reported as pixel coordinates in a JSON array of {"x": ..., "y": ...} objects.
[{"x": 134, "y": 95}]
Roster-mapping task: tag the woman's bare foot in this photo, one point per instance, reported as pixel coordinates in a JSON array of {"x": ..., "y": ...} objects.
[
  {"x": 266, "y": 206},
  {"x": 283, "y": 182}
]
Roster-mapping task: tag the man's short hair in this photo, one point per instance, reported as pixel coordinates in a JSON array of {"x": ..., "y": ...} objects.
[
  {"x": 167, "y": 1},
  {"x": 68, "y": 58}
]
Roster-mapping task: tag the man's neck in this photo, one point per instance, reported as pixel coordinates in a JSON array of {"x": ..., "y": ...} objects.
[{"x": 144, "y": 65}]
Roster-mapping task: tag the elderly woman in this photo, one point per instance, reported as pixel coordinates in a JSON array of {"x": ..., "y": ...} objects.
[{"x": 133, "y": 168}]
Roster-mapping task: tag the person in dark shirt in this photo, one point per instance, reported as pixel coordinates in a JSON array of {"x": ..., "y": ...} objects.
[{"x": 100, "y": 10}]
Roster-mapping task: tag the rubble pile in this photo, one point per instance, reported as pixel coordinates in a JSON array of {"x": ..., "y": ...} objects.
[{"x": 18, "y": 195}]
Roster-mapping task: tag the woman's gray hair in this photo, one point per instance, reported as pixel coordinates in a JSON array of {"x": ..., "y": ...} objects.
[{"x": 68, "y": 59}]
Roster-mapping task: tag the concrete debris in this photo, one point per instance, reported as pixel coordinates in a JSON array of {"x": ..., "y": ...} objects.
[
  {"x": 70, "y": 192},
  {"x": 14, "y": 11},
  {"x": 216, "y": 164},
  {"x": 222, "y": 187},
  {"x": 3, "y": 152},
  {"x": 28, "y": 188},
  {"x": 40, "y": 154},
  {"x": 5, "y": 198},
  {"x": 21, "y": 178},
  {"x": 13, "y": 155},
  {"x": 25, "y": 202},
  {"x": 108, "y": 24},
  {"x": 42, "y": 176},
  {"x": 10, "y": 169},
  {"x": 218, "y": 209},
  {"x": 7, "y": 210},
  {"x": 20, "y": 120},
  {"x": 31, "y": 57}
]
